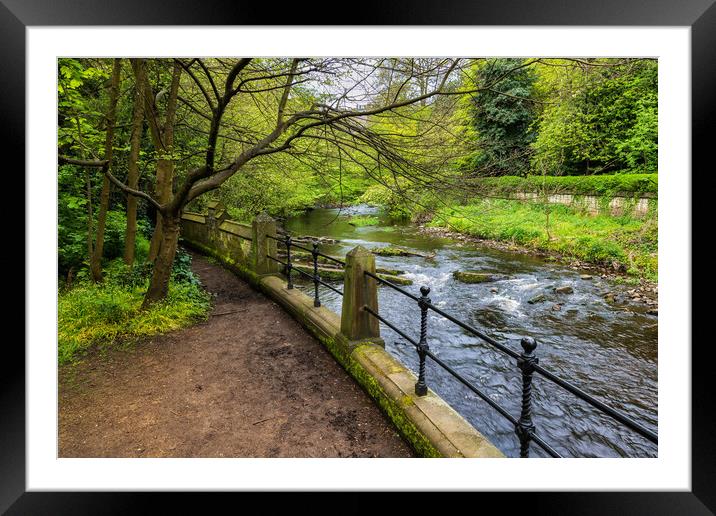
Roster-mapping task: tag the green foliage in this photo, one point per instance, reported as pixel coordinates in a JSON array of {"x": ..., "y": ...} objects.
[
  {"x": 395, "y": 202},
  {"x": 597, "y": 118},
  {"x": 602, "y": 185},
  {"x": 363, "y": 220},
  {"x": 109, "y": 313},
  {"x": 181, "y": 270},
  {"x": 261, "y": 189},
  {"x": 499, "y": 118},
  {"x": 78, "y": 88},
  {"x": 625, "y": 242},
  {"x": 72, "y": 228}
]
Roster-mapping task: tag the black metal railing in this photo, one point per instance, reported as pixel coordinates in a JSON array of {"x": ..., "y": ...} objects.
[
  {"x": 527, "y": 362},
  {"x": 289, "y": 267}
]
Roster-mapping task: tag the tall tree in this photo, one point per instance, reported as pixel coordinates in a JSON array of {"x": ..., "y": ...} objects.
[
  {"x": 110, "y": 122},
  {"x": 162, "y": 134},
  {"x": 133, "y": 164},
  {"x": 499, "y": 118}
]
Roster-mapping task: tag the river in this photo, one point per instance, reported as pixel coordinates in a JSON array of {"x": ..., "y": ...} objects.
[{"x": 609, "y": 351}]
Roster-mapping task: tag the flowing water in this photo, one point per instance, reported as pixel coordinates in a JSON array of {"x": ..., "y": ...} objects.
[{"x": 608, "y": 351}]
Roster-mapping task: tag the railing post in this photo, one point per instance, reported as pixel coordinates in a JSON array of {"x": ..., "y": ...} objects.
[
  {"x": 262, "y": 246},
  {"x": 525, "y": 427},
  {"x": 289, "y": 266},
  {"x": 421, "y": 388},
  {"x": 316, "y": 277},
  {"x": 359, "y": 290}
]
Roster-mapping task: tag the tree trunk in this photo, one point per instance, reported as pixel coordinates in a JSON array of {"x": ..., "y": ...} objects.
[
  {"x": 96, "y": 256},
  {"x": 163, "y": 139},
  {"x": 133, "y": 168},
  {"x": 162, "y": 270},
  {"x": 165, "y": 171},
  {"x": 90, "y": 214}
]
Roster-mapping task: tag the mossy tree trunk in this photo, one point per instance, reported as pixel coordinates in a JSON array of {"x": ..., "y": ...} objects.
[
  {"x": 163, "y": 140},
  {"x": 162, "y": 270}
]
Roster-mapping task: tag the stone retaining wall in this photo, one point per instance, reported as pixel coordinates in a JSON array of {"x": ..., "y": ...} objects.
[{"x": 593, "y": 204}]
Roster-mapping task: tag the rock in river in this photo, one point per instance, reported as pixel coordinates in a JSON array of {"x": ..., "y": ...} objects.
[
  {"x": 399, "y": 251},
  {"x": 564, "y": 290},
  {"x": 474, "y": 276},
  {"x": 537, "y": 299}
]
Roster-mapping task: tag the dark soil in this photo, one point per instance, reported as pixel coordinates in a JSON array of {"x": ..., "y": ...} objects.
[{"x": 249, "y": 382}]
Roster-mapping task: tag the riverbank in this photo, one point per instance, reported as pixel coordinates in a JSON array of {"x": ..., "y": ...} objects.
[
  {"x": 625, "y": 245},
  {"x": 643, "y": 290}
]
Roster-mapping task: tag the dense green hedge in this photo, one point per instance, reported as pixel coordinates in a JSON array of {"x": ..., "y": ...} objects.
[{"x": 605, "y": 185}]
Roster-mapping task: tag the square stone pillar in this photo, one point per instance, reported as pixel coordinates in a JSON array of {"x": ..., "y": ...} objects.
[
  {"x": 358, "y": 290},
  {"x": 262, "y": 245}
]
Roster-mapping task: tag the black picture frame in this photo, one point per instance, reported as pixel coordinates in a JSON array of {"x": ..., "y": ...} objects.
[{"x": 700, "y": 15}]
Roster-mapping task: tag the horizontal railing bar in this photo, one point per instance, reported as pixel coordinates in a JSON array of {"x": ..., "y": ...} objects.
[
  {"x": 622, "y": 418},
  {"x": 464, "y": 381},
  {"x": 328, "y": 257},
  {"x": 301, "y": 247},
  {"x": 334, "y": 289},
  {"x": 390, "y": 325},
  {"x": 474, "y": 389},
  {"x": 244, "y": 237},
  {"x": 443, "y": 365},
  {"x": 385, "y": 282},
  {"x": 294, "y": 268},
  {"x": 469, "y": 328},
  {"x": 307, "y": 249},
  {"x": 491, "y": 402},
  {"x": 546, "y": 447},
  {"x": 332, "y": 259}
]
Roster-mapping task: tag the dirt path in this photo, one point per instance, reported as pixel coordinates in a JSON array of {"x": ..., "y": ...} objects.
[{"x": 249, "y": 382}]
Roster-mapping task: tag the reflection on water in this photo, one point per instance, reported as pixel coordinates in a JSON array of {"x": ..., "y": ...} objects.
[{"x": 610, "y": 352}]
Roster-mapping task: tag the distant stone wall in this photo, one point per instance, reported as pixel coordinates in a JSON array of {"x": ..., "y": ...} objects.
[{"x": 593, "y": 204}]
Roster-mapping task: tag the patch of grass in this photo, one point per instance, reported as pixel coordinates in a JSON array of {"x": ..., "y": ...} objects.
[
  {"x": 109, "y": 314},
  {"x": 628, "y": 242},
  {"x": 363, "y": 220}
]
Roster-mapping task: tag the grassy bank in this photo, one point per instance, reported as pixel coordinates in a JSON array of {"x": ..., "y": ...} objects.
[
  {"x": 363, "y": 220},
  {"x": 600, "y": 185},
  {"x": 109, "y": 314},
  {"x": 623, "y": 242}
]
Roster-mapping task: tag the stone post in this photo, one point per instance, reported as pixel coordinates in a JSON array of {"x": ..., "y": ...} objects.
[
  {"x": 358, "y": 290},
  {"x": 261, "y": 245}
]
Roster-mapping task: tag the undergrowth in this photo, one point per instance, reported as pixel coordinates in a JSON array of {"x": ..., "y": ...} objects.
[{"x": 109, "y": 314}]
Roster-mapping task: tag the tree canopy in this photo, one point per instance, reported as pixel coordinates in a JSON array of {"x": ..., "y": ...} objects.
[{"x": 141, "y": 140}]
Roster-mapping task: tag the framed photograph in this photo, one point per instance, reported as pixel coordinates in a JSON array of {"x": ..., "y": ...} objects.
[{"x": 671, "y": 44}]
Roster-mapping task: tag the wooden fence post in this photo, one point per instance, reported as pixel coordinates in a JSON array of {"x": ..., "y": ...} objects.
[
  {"x": 262, "y": 245},
  {"x": 358, "y": 290}
]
